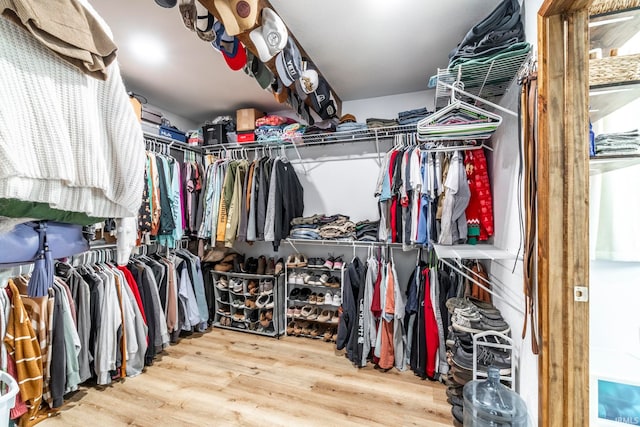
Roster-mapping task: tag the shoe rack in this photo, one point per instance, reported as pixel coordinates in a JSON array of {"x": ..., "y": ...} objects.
[
  {"x": 314, "y": 297},
  {"x": 252, "y": 303}
]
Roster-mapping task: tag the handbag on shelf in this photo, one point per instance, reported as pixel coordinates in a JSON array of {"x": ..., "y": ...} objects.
[{"x": 25, "y": 242}]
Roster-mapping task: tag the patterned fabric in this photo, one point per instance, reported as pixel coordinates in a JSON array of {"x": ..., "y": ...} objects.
[
  {"x": 480, "y": 209},
  {"x": 24, "y": 348},
  {"x": 144, "y": 213}
]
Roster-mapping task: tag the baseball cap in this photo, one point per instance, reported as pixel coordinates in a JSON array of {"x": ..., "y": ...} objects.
[
  {"x": 307, "y": 82},
  {"x": 258, "y": 70},
  {"x": 238, "y": 16},
  {"x": 321, "y": 101},
  {"x": 280, "y": 91},
  {"x": 289, "y": 63},
  {"x": 271, "y": 37},
  {"x": 233, "y": 51},
  {"x": 166, "y": 3}
]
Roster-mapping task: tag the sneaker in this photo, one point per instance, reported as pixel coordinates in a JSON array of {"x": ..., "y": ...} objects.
[
  {"x": 292, "y": 277},
  {"x": 475, "y": 325},
  {"x": 328, "y": 263},
  {"x": 314, "y": 280},
  {"x": 222, "y": 283},
  {"x": 457, "y": 413},
  {"x": 320, "y": 298},
  {"x": 236, "y": 285},
  {"x": 485, "y": 358},
  {"x": 328, "y": 298},
  {"x": 333, "y": 282},
  {"x": 337, "y": 263},
  {"x": 324, "y": 278},
  {"x": 299, "y": 279},
  {"x": 337, "y": 300},
  {"x": 264, "y": 300},
  {"x": 266, "y": 287}
]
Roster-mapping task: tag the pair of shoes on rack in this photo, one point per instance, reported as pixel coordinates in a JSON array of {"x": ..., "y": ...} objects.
[
  {"x": 222, "y": 283},
  {"x": 333, "y": 263},
  {"x": 225, "y": 321},
  {"x": 265, "y": 301},
  {"x": 266, "y": 287},
  {"x": 265, "y": 318},
  {"x": 297, "y": 260},
  {"x": 486, "y": 357}
]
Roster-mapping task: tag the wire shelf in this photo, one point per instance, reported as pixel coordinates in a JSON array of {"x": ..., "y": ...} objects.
[
  {"x": 486, "y": 79},
  {"x": 371, "y": 134}
]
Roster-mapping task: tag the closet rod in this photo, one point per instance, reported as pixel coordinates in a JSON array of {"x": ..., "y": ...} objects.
[
  {"x": 459, "y": 271},
  {"x": 477, "y": 98},
  {"x": 172, "y": 143}
]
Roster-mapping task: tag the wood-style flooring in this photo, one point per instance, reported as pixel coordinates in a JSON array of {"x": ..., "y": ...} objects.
[{"x": 228, "y": 378}]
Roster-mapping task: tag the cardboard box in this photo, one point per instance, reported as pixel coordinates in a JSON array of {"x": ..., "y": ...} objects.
[{"x": 246, "y": 119}]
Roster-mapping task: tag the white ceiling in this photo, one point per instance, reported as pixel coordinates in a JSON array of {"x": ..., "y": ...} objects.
[{"x": 364, "y": 48}]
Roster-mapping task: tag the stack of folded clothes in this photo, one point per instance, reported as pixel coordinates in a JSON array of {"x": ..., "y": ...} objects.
[
  {"x": 317, "y": 227},
  {"x": 367, "y": 231},
  {"x": 348, "y": 122},
  {"x": 270, "y": 128},
  {"x": 306, "y": 228},
  {"x": 412, "y": 116},
  {"x": 338, "y": 228},
  {"x": 381, "y": 123},
  {"x": 618, "y": 143},
  {"x": 501, "y": 33}
]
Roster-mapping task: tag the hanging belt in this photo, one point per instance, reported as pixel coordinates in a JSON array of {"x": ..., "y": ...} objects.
[{"x": 529, "y": 96}]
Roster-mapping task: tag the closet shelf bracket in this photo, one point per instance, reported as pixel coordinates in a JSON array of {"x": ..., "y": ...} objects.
[{"x": 477, "y": 98}]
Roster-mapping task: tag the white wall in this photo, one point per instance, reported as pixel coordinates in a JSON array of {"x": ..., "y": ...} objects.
[
  {"x": 182, "y": 123},
  {"x": 507, "y": 275},
  {"x": 341, "y": 178}
]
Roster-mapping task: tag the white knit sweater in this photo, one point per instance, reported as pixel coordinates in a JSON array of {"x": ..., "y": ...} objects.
[{"x": 66, "y": 139}]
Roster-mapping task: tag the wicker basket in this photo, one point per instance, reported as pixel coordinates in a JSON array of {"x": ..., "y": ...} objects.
[
  {"x": 614, "y": 69},
  {"x": 599, "y": 7}
]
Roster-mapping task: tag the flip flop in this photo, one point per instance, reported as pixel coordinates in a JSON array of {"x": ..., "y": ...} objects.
[
  {"x": 204, "y": 23},
  {"x": 189, "y": 13}
]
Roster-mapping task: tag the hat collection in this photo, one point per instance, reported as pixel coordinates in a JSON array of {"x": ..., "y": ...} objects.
[{"x": 295, "y": 80}]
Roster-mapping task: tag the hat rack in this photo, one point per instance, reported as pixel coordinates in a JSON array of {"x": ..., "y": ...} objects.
[{"x": 246, "y": 41}]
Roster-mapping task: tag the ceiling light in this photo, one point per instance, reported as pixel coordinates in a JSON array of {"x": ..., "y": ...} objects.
[
  {"x": 147, "y": 49},
  {"x": 609, "y": 21}
]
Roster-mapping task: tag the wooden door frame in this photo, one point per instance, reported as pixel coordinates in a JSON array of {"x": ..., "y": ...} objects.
[{"x": 563, "y": 209}]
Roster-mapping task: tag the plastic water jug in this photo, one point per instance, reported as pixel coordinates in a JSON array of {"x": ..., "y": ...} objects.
[{"x": 489, "y": 403}]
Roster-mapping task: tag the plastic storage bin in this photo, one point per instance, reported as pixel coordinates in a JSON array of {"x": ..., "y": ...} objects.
[
  {"x": 8, "y": 391},
  {"x": 490, "y": 404}
]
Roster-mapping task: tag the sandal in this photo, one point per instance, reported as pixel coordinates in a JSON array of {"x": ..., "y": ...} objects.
[
  {"x": 306, "y": 311},
  {"x": 189, "y": 13},
  {"x": 302, "y": 260},
  {"x": 204, "y": 23}
]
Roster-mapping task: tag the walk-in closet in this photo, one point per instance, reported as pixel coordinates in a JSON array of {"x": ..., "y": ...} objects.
[{"x": 252, "y": 212}]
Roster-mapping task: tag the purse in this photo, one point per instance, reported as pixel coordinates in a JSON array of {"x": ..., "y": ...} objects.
[{"x": 26, "y": 241}]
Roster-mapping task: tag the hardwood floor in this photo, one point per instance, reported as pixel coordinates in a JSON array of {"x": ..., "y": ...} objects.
[{"x": 232, "y": 378}]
